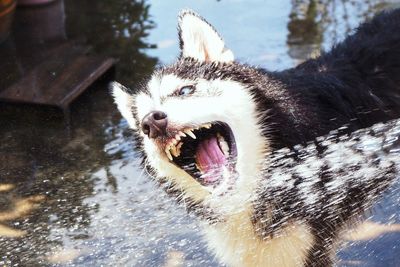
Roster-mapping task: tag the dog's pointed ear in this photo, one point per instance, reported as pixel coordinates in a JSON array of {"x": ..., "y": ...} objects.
[
  {"x": 199, "y": 40},
  {"x": 124, "y": 101}
]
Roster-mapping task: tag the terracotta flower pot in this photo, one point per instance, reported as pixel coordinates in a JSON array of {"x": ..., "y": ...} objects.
[
  {"x": 7, "y": 8},
  {"x": 33, "y": 2}
]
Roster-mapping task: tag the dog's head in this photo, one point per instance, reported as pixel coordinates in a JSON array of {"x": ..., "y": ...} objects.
[{"x": 198, "y": 120}]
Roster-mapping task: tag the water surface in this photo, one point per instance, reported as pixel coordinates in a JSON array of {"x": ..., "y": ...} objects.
[{"x": 73, "y": 194}]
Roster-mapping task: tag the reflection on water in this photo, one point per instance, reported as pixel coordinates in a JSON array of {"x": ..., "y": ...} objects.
[
  {"x": 54, "y": 166},
  {"x": 317, "y": 24},
  {"x": 40, "y": 31},
  {"x": 76, "y": 196},
  {"x": 116, "y": 28},
  {"x": 15, "y": 208},
  {"x": 46, "y": 170}
]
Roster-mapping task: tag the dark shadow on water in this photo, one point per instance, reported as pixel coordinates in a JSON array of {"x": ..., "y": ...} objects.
[
  {"x": 116, "y": 28},
  {"x": 46, "y": 167}
]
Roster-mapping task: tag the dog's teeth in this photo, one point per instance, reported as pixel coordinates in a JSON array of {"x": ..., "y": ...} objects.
[
  {"x": 174, "y": 151},
  {"x": 198, "y": 167},
  {"x": 182, "y": 134},
  {"x": 168, "y": 153},
  {"x": 178, "y": 148},
  {"x": 190, "y": 133},
  {"x": 174, "y": 141},
  {"x": 223, "y": 144},
  {"x": 207, "y": 125},
  {"x": 177, "y": 137}
]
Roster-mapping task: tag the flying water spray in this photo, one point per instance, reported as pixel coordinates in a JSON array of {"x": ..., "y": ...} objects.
[{"x": 329, "y": 182}]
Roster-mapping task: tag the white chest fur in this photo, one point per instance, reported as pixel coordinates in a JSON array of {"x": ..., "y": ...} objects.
[{"x": 235, "y": 243}]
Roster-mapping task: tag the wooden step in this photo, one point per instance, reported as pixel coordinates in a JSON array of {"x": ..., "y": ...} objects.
[{"x": 59, "y": 79}]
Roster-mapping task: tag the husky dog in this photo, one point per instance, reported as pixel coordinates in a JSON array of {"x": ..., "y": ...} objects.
[{"x": 207, "y": 126}]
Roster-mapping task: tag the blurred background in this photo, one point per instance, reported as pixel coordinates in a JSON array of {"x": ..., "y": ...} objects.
[{"x": 71, "y": 191}]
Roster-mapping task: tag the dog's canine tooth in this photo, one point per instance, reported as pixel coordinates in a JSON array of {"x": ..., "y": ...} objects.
[
  {"x": 168, "y": 153},
  {"x": 174, "y": 151},
  {"x": 225, "y": 148},
  {"x": 220, "y": 137},
  {"x": 207, "y": 125},
  {"x": 223, "y": 144},
  {"x": 190, "y": 133}
]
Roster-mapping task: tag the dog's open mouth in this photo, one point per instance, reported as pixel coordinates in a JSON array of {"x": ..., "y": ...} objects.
[{"x": 208, "y": 153}]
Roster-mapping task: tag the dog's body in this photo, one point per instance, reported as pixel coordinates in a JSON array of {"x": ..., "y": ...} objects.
[{"x": 208, "y": 125}]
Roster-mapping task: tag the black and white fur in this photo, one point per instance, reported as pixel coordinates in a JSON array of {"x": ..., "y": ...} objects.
[{"x": 265, "y": 219}]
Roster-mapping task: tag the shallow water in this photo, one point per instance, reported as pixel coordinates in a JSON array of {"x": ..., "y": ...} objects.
[{"x": 73, "y": 195}]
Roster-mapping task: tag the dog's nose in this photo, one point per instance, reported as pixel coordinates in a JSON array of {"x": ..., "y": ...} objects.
[{"x": 155, "y": 124}]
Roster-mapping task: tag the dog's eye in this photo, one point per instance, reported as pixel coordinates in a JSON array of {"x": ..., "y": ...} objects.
[{"x": 186, "y": 90}]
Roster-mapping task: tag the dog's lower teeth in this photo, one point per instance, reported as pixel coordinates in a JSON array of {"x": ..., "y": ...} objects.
[
  {"x": 198, "y": 167},
  {"x": 178, "y": 148},
  {"x": 168, "y": 153},
  {"x": 223, "y": 144},
  {"x": 174, "y": 151}
]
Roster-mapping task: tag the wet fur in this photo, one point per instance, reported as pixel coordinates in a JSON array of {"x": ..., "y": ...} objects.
[{"x": 356, "y": 84}]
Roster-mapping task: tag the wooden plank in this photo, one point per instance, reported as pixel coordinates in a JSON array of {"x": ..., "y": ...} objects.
[{"x": 61, "y": 78}]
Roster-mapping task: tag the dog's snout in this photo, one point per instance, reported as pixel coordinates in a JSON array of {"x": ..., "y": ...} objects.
[{"x": 155, "y": 124}]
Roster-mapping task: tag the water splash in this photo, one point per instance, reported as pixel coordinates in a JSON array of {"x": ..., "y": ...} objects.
[{"x": 330, "y": 181}]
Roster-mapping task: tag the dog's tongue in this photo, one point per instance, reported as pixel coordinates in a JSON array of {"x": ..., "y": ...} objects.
[{"x": 210, "y": 159}]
